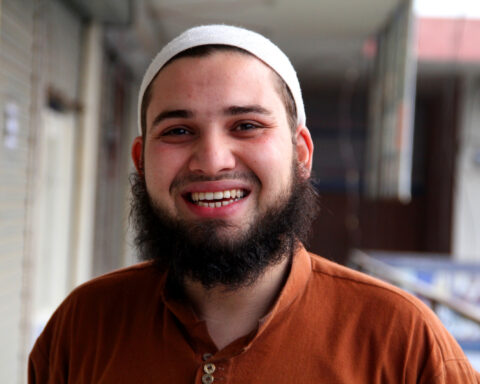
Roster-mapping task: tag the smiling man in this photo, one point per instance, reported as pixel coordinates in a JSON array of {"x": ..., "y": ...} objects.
[{"x": 222, "y": 204}]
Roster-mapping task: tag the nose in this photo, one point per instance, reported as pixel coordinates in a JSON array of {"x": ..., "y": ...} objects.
[{"x": 212, "y": 154}]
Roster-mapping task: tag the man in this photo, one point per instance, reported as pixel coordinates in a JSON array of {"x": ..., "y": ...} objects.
[{"x": 222, "y": 203}]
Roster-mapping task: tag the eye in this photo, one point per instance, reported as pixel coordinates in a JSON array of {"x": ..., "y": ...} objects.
[
  {"x": 246, "y": 126},
  {"x": 178, "y": 131},
  {"x": 176, "y": 134}
]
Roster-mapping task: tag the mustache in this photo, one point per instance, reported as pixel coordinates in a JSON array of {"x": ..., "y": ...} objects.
[{"x": 181, "y": 181}]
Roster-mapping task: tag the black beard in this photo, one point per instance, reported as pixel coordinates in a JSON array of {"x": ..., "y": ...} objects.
[{"x": 196, "y": 251}]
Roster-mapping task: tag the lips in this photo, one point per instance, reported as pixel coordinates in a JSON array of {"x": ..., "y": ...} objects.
[{"x": 217, "y": 199}]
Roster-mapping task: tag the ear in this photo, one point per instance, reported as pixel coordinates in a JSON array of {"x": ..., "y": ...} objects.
[
  {"x": 137, "y": 154},
  {"x": 304, "y": 145}
]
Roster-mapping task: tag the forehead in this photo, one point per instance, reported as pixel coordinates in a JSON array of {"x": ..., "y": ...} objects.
[{"x": 236, "y": 71}]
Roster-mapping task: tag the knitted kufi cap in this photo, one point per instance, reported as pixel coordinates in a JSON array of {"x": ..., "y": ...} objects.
[{"x": 252, "y": 42}]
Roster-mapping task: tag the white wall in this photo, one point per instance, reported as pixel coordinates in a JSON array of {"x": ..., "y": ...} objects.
[
  {"x": 59, "y": 49},
  {"x": 466, "y": 226}
]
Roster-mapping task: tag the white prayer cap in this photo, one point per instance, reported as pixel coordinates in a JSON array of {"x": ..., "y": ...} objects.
[{"x": 250, "y": 41}]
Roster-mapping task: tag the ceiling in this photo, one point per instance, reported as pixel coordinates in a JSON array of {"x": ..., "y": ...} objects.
[{"x": 319, "y": 36}]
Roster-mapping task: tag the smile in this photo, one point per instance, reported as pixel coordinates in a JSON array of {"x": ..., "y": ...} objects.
[{"x": 217, "y": 199}]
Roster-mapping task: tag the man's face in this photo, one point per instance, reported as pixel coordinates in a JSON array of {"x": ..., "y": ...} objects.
[{"x": 218, "y": 146}]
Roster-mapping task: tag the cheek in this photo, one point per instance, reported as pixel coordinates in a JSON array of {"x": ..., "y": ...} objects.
[
  {"x": 271, "y": 161},
  {"x": 161, "y": 167}
]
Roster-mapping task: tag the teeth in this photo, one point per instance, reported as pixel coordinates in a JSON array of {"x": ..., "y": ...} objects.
[
  {"x": 233, "y": 194},
  {"x": 217, "y": 204}
]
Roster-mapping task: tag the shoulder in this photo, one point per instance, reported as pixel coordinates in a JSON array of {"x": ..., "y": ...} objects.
[
  {"x": 98, "y": 311},
  {"x": 391, "y": 318},
  {"x": 379, "y": 301},
  {"x": 116, "y": 291},
  {"x": 359, "y": 290},
  {"x": 355, "y": 284},
  {"x": 101, "y": 306},
  {"x": 141, "y": 273},
  {"x": 106, "y": 298}
]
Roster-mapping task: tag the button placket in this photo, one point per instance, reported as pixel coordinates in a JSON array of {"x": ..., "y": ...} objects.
[
  {"x": 207, "y": 378},
  {"x": 213, "y": 371},
  {"x": 209, "y": 368},
  {"x": 206, "y": 356}
]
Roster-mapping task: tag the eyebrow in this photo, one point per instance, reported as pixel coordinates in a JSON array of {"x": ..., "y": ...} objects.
[
  {"x": 172, "y": 114},
  {"x": 240, "y": 110}
]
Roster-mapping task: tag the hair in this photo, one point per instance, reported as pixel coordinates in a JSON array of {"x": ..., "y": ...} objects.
[{"x": 208, "y": 50}]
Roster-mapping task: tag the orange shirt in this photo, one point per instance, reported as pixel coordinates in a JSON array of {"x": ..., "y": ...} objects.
[{"x": 329, "y": 325}]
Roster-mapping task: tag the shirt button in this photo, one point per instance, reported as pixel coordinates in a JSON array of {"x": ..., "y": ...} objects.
[
  {"x": 206, "y": 356},
  {"x": 207, "y": 378},
  {"x": 209, "y": 368}
]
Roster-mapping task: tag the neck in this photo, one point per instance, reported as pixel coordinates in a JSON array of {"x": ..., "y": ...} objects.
[{"x": 230, "y": 314}]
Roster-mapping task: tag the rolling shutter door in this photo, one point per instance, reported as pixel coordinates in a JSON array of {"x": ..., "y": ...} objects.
[{"x": 16, "y": 57}]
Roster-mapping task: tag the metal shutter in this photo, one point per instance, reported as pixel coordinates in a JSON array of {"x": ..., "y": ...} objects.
[
  {"x": 40, "y": 46},
  {"x": 16, "y": 58}
]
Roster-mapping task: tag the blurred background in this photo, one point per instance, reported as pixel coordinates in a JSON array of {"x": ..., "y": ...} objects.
[{"x": 392, "y": 92}]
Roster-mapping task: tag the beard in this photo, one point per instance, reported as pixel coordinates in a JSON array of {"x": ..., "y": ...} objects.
[{"x": 196, "y": 250}]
